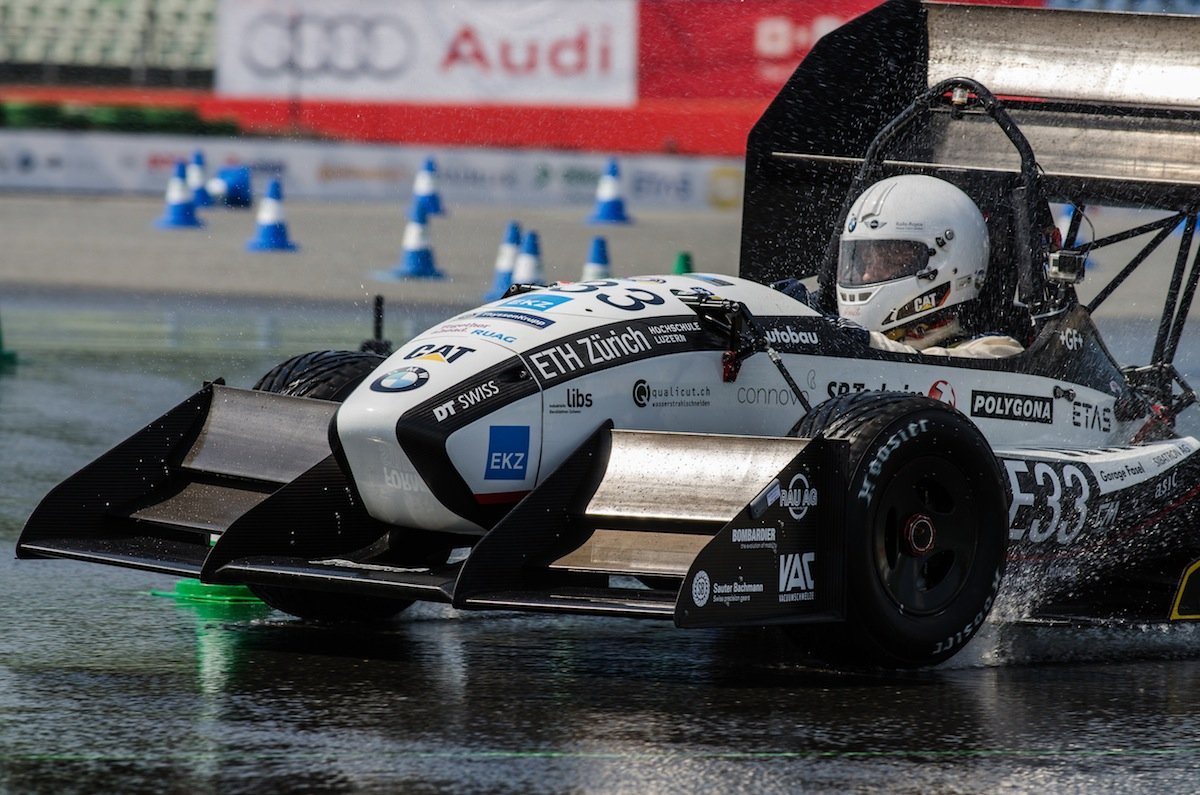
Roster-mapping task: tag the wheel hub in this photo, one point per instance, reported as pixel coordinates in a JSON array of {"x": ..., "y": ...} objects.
[{"x": 919, "y": 535}]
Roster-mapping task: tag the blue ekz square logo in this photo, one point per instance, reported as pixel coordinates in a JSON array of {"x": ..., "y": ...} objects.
[
  {"x": 508, "y": 452},
  {"x": 537, "y": 301}
]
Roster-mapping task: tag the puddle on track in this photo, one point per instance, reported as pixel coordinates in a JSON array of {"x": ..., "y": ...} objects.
[{"x": 105, "y": 687}]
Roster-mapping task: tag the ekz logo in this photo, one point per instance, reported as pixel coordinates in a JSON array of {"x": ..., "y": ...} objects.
[
  {"x": 539, "y": 302},
  {"x": 508, "y": 452}
]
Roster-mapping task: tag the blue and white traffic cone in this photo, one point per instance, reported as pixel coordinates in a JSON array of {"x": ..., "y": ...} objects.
[
  {"x": 417, "y": 261},
  {"x": 425, "y": 189},
  {"x": 596, "y": 266},
  {"x": 231, "y": 187},
  {"x": 528, "y": 267},
  {"x": 272, "y": 234},
  {"x": 180, "y": 212},
  {"x": 506, "y": 260},
  {"x": 197, "y": 182},
  {"x": 610, "y": 207}
]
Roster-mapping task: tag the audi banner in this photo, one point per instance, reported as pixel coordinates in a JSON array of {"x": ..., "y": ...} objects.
[{"x": 511, "y": 52}]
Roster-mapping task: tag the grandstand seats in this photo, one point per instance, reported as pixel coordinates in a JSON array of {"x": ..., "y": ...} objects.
[{"x": 130, "y": 34}]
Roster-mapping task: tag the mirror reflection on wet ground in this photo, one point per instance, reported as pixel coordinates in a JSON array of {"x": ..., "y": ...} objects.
[{"x": 108, "y": 685}]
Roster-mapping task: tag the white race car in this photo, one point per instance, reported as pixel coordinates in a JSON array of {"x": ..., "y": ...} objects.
[{"x": 708, "y": 449}]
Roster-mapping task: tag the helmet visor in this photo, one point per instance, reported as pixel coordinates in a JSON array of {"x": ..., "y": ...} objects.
[{"x": 865, "y": 262}]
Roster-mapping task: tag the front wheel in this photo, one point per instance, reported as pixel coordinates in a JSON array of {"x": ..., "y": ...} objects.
[
  {"x": 325, "y": 375},
  {"x": 926, "y": 530}
]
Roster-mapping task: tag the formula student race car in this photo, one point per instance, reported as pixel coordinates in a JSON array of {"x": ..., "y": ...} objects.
[{"x": 716, "y": 452}]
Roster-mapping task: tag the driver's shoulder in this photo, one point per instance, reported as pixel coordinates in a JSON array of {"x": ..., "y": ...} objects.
[{"x": 983, "y": 346}]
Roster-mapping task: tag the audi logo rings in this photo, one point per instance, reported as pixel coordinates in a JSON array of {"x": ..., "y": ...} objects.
[{"x": 345, "y": 46}]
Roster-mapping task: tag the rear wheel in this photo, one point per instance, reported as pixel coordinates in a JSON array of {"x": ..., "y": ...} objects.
[
  {"x": 325, "y": 375},
  {"x": 925, "y": 525}
]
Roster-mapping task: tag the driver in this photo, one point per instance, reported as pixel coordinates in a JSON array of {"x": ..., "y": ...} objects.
[{"x": 911, "y": 264}]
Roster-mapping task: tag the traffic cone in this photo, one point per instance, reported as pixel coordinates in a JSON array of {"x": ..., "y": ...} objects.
[
  {"x": 610, "y": 207},
  {"x": 272, "y": 234},
  {"x": 528, "y": 267},
  {"x": 231, "y": 186},
  {"x": 417, "y": 260},
  {"x": 197, "y": 182},
  {"x": 683, "y": 263},
  {"x": 180, "y": 212},
  {"x": 596, "y": 266},
  {"x": 425, "y": 189},
  {"x": 506, "y": 260}
]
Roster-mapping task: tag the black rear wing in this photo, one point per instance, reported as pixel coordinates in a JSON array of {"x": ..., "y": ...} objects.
[{"x": 1110, "y": 103}]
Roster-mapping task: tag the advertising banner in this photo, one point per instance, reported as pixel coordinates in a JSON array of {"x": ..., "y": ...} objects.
[
  {"x": 515, "y": 52},
  {"x": 116, "y": 163},
  {"x": 718, "y": 48}
]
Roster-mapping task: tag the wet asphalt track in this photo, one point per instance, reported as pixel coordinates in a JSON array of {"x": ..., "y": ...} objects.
[{"x": 106, "y": 687}]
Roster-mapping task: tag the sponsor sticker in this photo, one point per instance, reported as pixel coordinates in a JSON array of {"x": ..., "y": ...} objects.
[
  {"x": 460, "y": 327},
  {"x": 493, "y": 334},
  {"x": 735, "y": 592},
  {"x": 1091, "y": 416},
  {"x": 701, "y": 588},
  {"x": 799, "y": 496},
  {"x": 508, "y": 452},
  {"x": 1070, "y": 339},
  {"x": 574, "y": 402},
  {"x": 790, "y": 336},
  {"x": 472, "y": 397},
  {"x": 766, "y": 396},
  {"x": 439, "y": 353},
  {"x": 704, "y": 277},
  {"x": 664, "y": 333},
  {"x": 587, "y": 352},
  {"x": 671, "y": 395},
  {"x": 943, "y": 390},
  {"x": 765, "y": 499},
  {"x": 402, "y": 380},
  {"x": 537, "y": 321},
  {"x": 1009, "y": 406},
  {"x": 538, "y": 302},
  {"x": 754, "y": 537},
  {"x": 796, "y": 577}
]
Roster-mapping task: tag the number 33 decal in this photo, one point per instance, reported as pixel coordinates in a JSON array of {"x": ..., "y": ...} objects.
[{"x": 631, "y": 300}]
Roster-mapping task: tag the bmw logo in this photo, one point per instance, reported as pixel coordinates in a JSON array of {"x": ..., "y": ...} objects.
[
  {"x": 851, "y": 224},
  {"x": 401, "y": 380}
]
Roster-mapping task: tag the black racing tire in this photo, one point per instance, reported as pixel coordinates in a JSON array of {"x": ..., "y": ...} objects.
[
  {"x": 324, "y": 375},
  {"x": 926, "y": 530}
]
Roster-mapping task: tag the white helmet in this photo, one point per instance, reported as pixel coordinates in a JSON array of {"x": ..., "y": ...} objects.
[{"x": 912, "y": 247}]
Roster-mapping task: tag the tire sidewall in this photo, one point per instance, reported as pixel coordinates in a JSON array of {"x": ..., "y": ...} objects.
[
  {"x": 924, "y": 639},
  {"x": 324, "y": 375}
]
